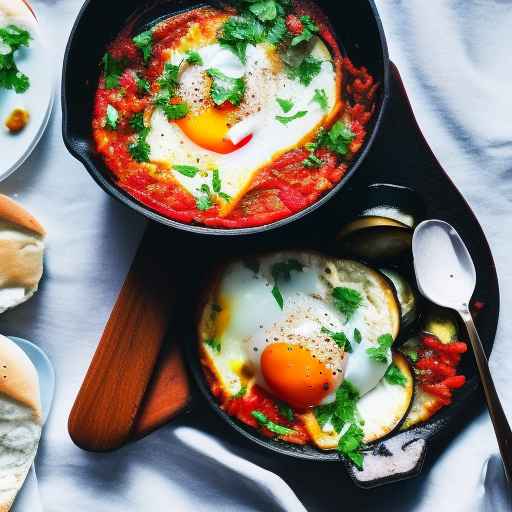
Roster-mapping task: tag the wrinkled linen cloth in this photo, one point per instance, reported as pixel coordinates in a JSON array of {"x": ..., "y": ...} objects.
[{"x": 455, "y": 59}]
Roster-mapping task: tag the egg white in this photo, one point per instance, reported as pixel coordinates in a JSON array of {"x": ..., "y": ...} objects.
[{"x": 258, "y": 114}]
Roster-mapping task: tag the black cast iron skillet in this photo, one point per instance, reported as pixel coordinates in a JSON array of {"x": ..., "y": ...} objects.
[{"x": 359, "y": 32}]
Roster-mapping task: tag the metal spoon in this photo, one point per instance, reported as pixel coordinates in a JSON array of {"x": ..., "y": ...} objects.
[{"x": 446, "y": 276}]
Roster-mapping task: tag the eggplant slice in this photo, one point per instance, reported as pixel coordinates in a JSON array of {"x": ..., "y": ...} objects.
[{"x": 375, "y": 239}]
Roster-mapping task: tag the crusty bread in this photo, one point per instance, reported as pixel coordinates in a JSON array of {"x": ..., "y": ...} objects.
[
  {"x": 20, "y": 419},
  {"x": 21, "y": 254}
]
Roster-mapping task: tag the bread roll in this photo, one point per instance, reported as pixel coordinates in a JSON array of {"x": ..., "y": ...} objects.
[
  {"x": 21, "y": 254},
  {"x": 20, "y": 419}
]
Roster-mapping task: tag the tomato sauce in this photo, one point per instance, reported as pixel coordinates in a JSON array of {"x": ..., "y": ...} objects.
[{"x": 277, "y": 191}]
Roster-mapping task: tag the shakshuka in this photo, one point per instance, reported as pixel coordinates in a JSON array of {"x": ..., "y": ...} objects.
[{"x": 231, "y": 118}]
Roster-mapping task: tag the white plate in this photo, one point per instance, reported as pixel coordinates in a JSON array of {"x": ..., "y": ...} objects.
[{"x": 36, "y": 63}]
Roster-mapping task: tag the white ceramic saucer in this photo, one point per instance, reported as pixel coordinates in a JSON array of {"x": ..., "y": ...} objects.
[{"x": 37, "y": 64}]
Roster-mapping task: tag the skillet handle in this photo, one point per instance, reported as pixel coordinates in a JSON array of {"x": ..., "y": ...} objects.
[{"x": 105, "y": 409}]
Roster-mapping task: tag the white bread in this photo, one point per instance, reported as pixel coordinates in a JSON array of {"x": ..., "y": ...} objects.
[
  {"x": 21, "y": 254},
  {"x": 20, "y": 419}
]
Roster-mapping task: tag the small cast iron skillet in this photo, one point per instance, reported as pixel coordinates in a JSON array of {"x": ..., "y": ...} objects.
[{"x": 359, "y": 33}]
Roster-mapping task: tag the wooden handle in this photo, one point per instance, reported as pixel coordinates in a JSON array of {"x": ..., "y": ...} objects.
[{"x": 104, "y": 412}]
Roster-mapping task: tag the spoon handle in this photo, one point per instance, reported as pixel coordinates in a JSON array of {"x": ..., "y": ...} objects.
[{"x": 499, "y": 420}]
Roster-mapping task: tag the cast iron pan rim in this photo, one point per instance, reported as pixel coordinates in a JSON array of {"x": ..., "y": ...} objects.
[{"x": 115, "y": 192}]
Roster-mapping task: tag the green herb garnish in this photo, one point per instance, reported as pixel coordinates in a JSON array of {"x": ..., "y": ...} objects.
[
  {"x": 240, "y": 31},
  {"x": 169, "y": 79},
  {"x": 225, "y": 88},
  {"x": 11, "y": 77},
  {"x": 312, "y": 162},
  {"x": 310, "y": 29},
  {"x": 112, "y": 118},
  {"x": 340, "y": 339},
  {"x": 347, "y": 300},
  {"x": 143, "y": 85},
  {"x": 309, "y": 68},
  {"x": 382, "y": 352},
  {"x": 113, "y": 69},
  {"x": 214, "y": 344},
  {"x": 286, "y": 411},
  {"x": 270, "y": 425},
  {"x": 338, "y": 138},
  {"x": 357, "y": 336},
  {"x": 394, "y": 375},
  {"x": 144, "y": 42},
  {"x": 187, "y": 170},
  {"x": 320, "y": 97},
  {"x": 140, "y": 149},
  {"x": 137, "y": 122},
  {"x": 193, "y": 57},
  {"x": 277, "y": 32},
  {"x": 283, "y": 271},
  {"x": 204, "y": 202},
  {"x": 241, "y": 392},
  {"x": 288, "y": 119},
  {"x": 216, "y": 183},
  {"x": 350, "y": 444},
  {"x": 286, "y": 105}
]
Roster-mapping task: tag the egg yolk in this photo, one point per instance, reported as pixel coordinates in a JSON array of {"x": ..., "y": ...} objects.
[
  {"x": 295, "y": 376},
  {"x": 209, "y": 130}
]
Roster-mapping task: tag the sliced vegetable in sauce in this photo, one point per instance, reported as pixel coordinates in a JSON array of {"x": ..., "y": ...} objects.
[
  {"x": 12, "y": 37},
  {"x": 113, "y": 69},
  {"x": 394, "y": 375}
]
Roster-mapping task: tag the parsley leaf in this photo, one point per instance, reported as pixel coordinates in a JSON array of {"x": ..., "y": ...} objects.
[
  {"x": 264, "y": 10},
  {"x": 412, "y": 355},
  {"x": 144, "y": 42},
  {"x": 338, "y": 138},
  {"x": 216, "y": 183},
  {"x": 347, "y": 300},
  {"x": 285, "y": 411},
  {"x": 225, "y": 88},
  {"x": 394, "y": 375},
  {"x": 288, "y": 119},
  {"x": 193, "y": 57},
  {"x": 137, "y": 122},
  {"x": 340, "y": 338},
  {"x": 112, "y": 118},
  {"x": 14, "y": 37},
  {"x": 350, "y": 443},
  {"x": 276, "y": 292},
  {"x": 175, "y": 111},
  {"x": 113, "y": 69},
  {"x": 270, "y": 425},
  {"x": 169, "y": 79},
  {"x": 306, "y": 71},
  {"x": 225, "y": 196},
  {"x": 286, "y": 105},
  {"x": 240, "y": 31},
  {"x": 277, "y": 32},
  {"x": 312, "y": 162},
  {"x": 14, "y": 79},
  {"x": 214, "y": 344},
  {"x": 357, "y": 336},
  {"x": 142, "y": 85},
  {"x": 241, "y": 392},
  {"x": 310, "y": 29},
  {"x": 382, "y": 352},
  {"x": 140, "y": 149},
  {"x": 204, "y": 202},
  {"x": 283, "y": 270},
  {"x": 187, "y": 170},
  {"x": 321, "y": 98}
]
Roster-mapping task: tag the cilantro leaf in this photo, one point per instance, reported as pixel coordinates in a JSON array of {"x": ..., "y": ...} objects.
[
  {"x": 350, "y": 444},
  {"x": 288, "y": 119},
  {"x": 241, "y": 392},
  {"x": 214, "y": 345},
  {"x": 285, "y": 411},
  {"x": 216, "y": 183},
  {"x": 306, "y": 71},
  {"x": 113, "y": 69},
  {"x": 137, "y": 122},
  {"x": 204, "y": 202},
  {"x": 323, "y": 413},
  {"x": 312, "y": 162},
  {"x": 270, "y": 425},
  {"x": 264, "y": 10},
  {"x": 340, "y": 339},
  {"x": 347, "y": 300},
  {"x": 240, "y": 31},
  {"x": 382, "y": 352},
  {"x": 187, "y": 170},
  {"x": 144, "y": 42},
  {"x": 112, "y": 118},
  {"x": 225, "y": 88},
  {"x": 162, "y": 98},
  {"x": 320, "y": 97},
  {"x": 357, "y": 336},
  {"x": 412, "y": 355},
  {"x": 309, "y": 30},
  {"x": 14, "y": 79},
  {"x": 140, "y": 149},
  {"x": 286, "y": 105},
  {"x": 169, "y": 79},
  {"x": 394, "y": 375},
  {"x": 175, "y": 111},
  {"x": 338, "y": 138},
  {"x": 193, "y": 57},
  {"x": 276, "y": 292},
  {"x": 283, "y": 269},
  {"x": 277, "y": 32},
  {"x": 142, "y": 85},
  {"x": 15, "y": 37}
]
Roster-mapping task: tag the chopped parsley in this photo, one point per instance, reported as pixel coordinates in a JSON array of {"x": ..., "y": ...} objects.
[
  {"x": 193, "y": 57},
  {"x": 214, "y": 345},
  {"x": 320, "y": 97},
  {"x": 312, "y": 162},
  {"x": 282, "y": 271},
  {"x": 347, "y": 300},
  {"x": 137, "y": 122},
  {"x": 241, "y": 392},
  {"x": 270, "y": 425},
  {"x": 175, "y": 111},
  {"x": 204, "y": 202},
  {"x": 285, "y": 411},
  {"x": 382, "y": 352},
  {"x": 394, "y": 375},
  {"x": 288, "y": 119},
  {"x": 187, "y": 170},
  {"x": 112, "y": 118},
  {"x": 169, "y": 79},
  {"x": 140, "y": 149},
  {"x": 225, "y": 88},
  {"x": 277, "y": 32},
  {"x": 306, "y": 71},
  {"x": 144, "y": 42},
  {"x": 113, "y": 69},
  {"x": 412, "y": 355},
  {"x": 337, "y": 139},
  {"x": 350, "y": 444},
  {"x": 340, "y": 339},
  {"x": 143, "y": 85},
  {"x": 310, "y": 29},
  {"x": 240, "y": 31},
  {"x": 11, "y": 77},
  {"x": 357, "y": 336},
  {"x": 286, "y": 105}
]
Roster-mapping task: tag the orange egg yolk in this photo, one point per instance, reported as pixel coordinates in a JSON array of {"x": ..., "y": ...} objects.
[
  {"x": 209, "y": 129},
  {"x": 295, "y": 376}
]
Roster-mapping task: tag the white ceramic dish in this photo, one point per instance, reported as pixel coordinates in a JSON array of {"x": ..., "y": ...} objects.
[{"x": 36, "y": 63}]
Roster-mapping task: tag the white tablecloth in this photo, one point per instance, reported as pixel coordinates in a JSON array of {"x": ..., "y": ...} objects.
[{"x": 454, "y": 57}]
